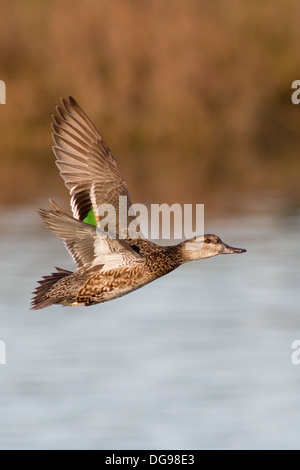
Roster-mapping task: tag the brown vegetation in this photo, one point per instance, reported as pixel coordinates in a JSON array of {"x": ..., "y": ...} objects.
[{"x": 193, "y": 97}]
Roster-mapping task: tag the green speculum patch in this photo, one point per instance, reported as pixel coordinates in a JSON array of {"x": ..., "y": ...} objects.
[{"x": 90, "y": 218}]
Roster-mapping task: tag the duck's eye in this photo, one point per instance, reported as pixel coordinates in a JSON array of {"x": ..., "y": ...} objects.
[{"x": 207, "y": 240}]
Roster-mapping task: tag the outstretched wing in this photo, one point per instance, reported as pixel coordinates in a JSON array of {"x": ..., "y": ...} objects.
[
  {"x": 86, "y": 164},
  {"x": 89, "y": 245}
]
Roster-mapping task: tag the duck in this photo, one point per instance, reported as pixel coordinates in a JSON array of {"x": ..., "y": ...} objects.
[{"x": 108, "y": 266}]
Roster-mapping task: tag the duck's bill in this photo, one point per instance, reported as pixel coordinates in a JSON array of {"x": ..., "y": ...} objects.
[{"x": 229, "y": 250}]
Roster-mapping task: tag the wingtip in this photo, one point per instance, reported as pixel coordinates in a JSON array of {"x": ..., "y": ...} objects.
[
  {"x": 42, "y": 213},
  {"x": 54, "y": 205},
  {"x": 72, "y": 101}
]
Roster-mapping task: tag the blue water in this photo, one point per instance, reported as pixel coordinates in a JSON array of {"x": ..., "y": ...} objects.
[{"x": 200, "y": 359}]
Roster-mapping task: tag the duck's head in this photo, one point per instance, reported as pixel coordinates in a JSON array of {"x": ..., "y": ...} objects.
[{"x": 207, "y": 246}]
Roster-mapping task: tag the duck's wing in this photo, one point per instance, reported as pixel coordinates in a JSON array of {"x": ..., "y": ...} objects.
[
  {"x": 87, "y": 165},
  {"x": 88, "y": 245}
]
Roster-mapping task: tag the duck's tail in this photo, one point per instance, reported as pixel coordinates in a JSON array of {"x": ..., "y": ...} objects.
[{"x": 40, "y": 299}]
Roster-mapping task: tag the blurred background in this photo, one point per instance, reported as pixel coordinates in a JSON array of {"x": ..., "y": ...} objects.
[
  {"x": 192, "y": 97},
  {"x": 194, "y": 100}
]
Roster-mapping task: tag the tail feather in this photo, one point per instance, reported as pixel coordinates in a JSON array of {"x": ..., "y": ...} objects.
[{"x": 40, "y": 299}]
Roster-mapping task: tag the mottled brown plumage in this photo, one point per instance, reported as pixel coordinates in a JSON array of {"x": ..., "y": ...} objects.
[{"x": 107, "y": 268}]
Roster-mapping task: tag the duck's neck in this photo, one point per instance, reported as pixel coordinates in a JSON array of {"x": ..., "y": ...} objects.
[
  {"x": 164, "y": 260},
  {"x": 171, "y": 257},
  {"x": 178, "y": 254},
  {"x": 183, "y": 253}
]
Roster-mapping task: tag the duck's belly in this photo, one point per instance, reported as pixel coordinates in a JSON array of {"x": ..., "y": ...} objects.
[{"x": 105, "y": 288}]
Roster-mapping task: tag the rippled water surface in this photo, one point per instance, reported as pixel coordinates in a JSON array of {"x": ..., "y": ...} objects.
[{"x": 198, "y": 359}]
